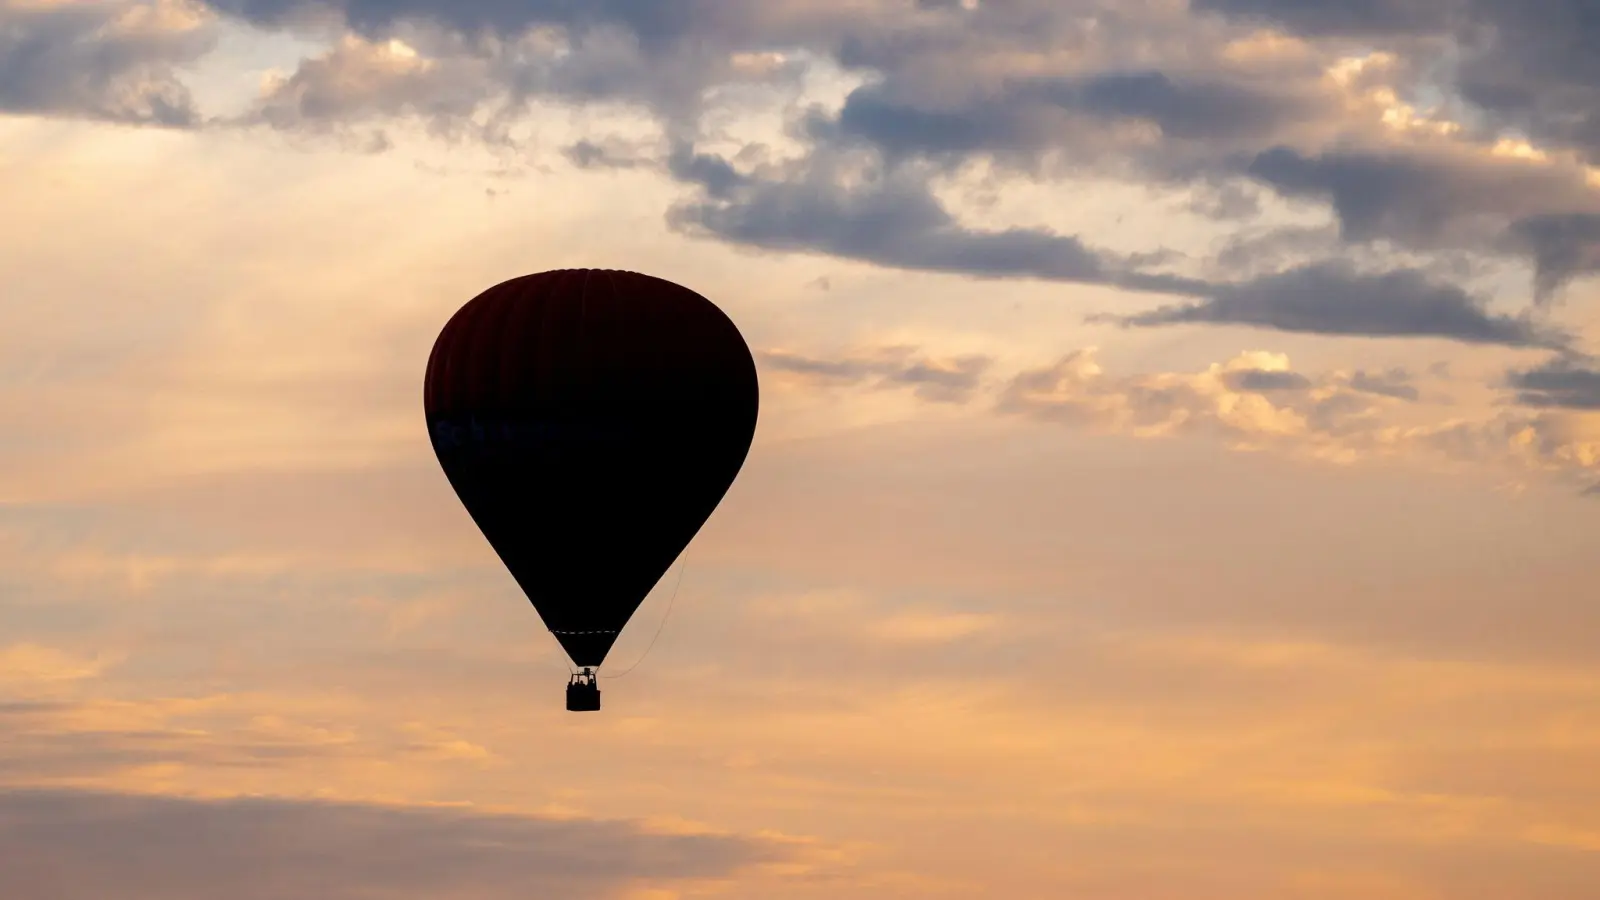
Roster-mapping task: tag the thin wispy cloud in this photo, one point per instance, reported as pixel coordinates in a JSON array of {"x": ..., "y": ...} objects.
[{"x": 1334, "y": 299}]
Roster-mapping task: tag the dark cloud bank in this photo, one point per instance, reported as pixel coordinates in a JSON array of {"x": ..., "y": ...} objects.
[
  {"x": 1562, "y": 383},
  {"x": 946, "y": 88},
  {"x": 61, "y": 843}
]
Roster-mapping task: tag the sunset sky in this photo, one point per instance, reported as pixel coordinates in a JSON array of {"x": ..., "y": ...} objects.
[{"x": 1178, "y": 473}]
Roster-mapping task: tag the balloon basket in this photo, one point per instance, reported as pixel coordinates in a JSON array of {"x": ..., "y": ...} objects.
[{"x": 583, "y": 692}]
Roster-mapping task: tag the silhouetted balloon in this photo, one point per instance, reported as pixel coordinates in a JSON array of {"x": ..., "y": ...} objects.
[{"x": 590, "y": 421}]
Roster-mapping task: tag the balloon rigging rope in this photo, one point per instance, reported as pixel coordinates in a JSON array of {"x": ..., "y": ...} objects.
[{"x": 664, "y": 617}]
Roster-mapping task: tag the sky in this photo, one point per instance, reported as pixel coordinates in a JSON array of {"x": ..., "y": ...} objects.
[{"x": 1178, "y": 473}]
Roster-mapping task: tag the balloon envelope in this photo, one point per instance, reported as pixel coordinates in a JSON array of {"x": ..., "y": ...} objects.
[{"x": 590, "y": 421}]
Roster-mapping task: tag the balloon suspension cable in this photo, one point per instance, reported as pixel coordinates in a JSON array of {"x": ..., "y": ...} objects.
[{"x": 664, "y": 616}]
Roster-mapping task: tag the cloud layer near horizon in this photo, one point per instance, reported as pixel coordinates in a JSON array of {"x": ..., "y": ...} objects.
[{"x": 83, "y": 844}]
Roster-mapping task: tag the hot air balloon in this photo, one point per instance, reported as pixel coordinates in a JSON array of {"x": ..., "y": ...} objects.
[{"x": 590, "y": 420}]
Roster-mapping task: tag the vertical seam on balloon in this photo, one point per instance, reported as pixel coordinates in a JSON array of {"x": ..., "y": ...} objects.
[
  {"x": 444, "y": 349},
  {"x": 539, "y": 344},
  {"x": 496, "y": 326},
  {"x": 428, "y": 371},
  {"x": 511, "y": 370},
  {"x": 587, "y": 354},
  {"x": 616, "y": 299},
  {"x": 459, "y": 389}
]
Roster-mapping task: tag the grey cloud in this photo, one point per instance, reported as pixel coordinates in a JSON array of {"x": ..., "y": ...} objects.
[
  {"x": 671, "y": 81},
  {"x": 891, "y": 219},
  {"x": 951, "y": 380},
  {"x": 1342, "y": 415},
  {"x": 1189, "y": 109},
  {"x": 1563, "y": 383},
  {"x": 1392, "y": 383},
  {"x": 948, "y": 86},
  {"x": 1217, "y": 122},
  {"x": 357, "y": 81},
  {"x": 1425, "y": 195},
  {"x": 712, "y": 173},
  {"x": 904, "y": 130},
  {"x": 1334, "y": 298},
  {"x": 1417, "y": 198},
  {"x": 653, "y": 21},
  {"x": 1350, "y": 17},
  {"x": 667, "y": 53},
  {"x": 1252, "y": 252},
  {"x": 485, "y": 89},
  {"x": 1529, "y": 66},
  {"x": 662, "y": 57},
  {"x": 844, "y": 370},
  {"x": 1537, "y": 72},
  {"x": 1265, "y": 380},
  {"x": 1564, "y": 247},
  {"x": 1223, "y": 199},
  {"x": 1024, "y": 118},
  {"x": 587, "y": 154},
  {"x": 102, "y": 61},
  {"x": 87, "y": 844}
]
